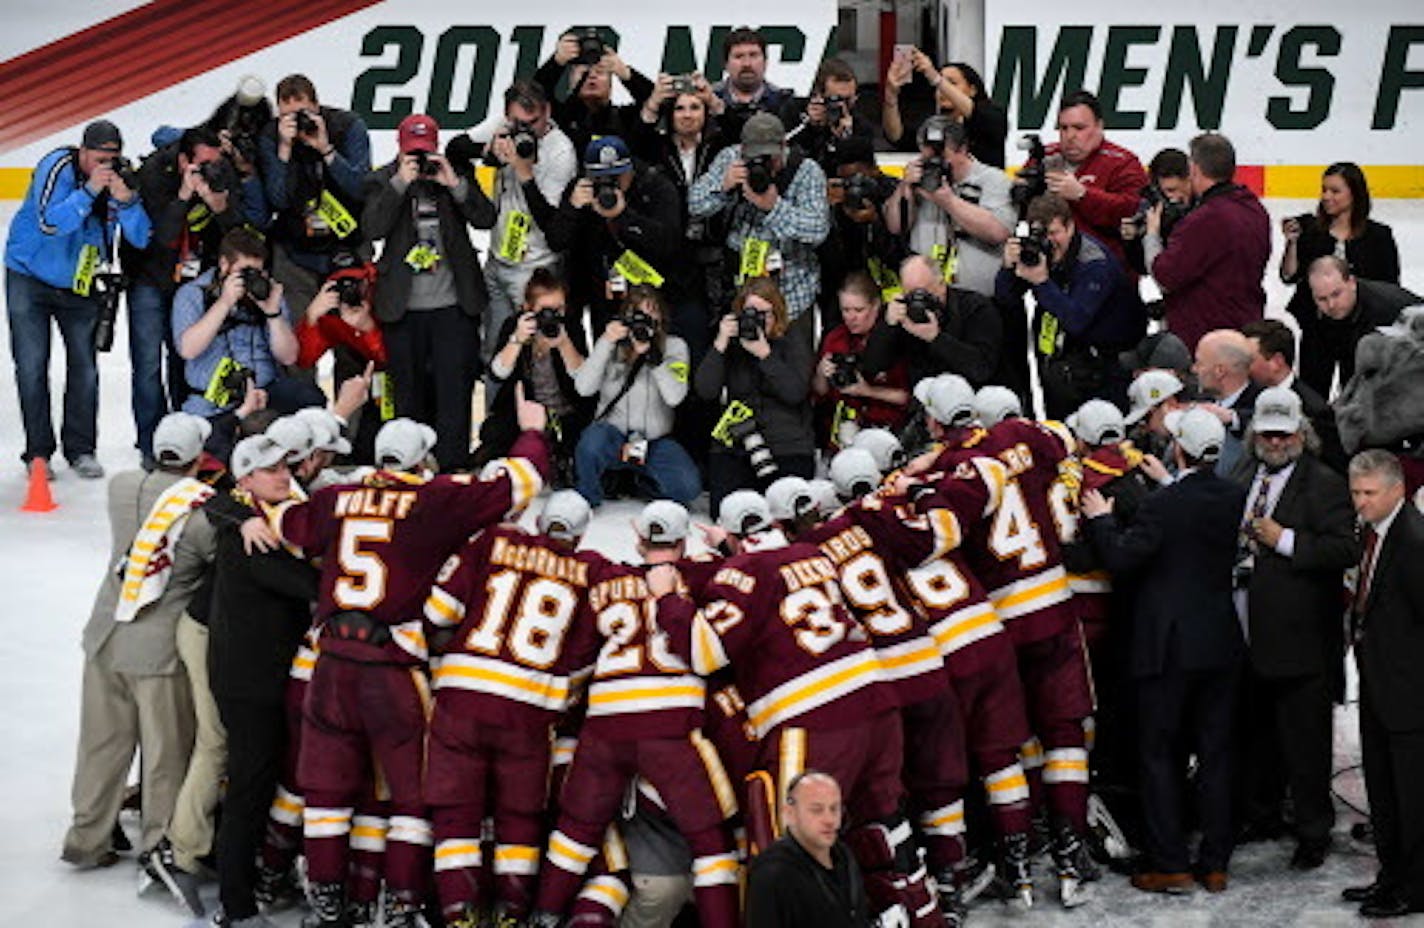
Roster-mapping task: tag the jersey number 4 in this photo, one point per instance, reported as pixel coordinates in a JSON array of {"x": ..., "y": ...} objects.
[{"x": 1013, "y": 533}]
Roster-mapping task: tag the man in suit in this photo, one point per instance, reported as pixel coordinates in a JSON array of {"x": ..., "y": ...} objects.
[
  {"x": 1297, "y": 537},
  {"x": 1223, "y": 369},
  {"x": 1273, "y": 365},
  {"x": 1186, "y": 650},
  {"x": 1351, "y": 308},
  {"x": 1387, "y": 619}
]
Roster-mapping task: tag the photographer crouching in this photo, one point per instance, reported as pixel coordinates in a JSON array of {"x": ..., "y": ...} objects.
[
  {"x": 762, "y": 378},
  {"x": 638, "y": 373},
  {"x": 230, "y": 327},
  {"x": 847, "y": 399},
  {"x": 1087, "y": 308},
  {"x": 339, "y": 319}
]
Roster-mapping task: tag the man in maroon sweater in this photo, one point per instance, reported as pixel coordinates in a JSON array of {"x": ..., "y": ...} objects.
[{"x": 1211, "y": 268}]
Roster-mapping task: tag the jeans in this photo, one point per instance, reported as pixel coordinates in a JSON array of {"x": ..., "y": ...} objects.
[
  {"x": 667, "y": 467},
  {"x": 150, "y": 337},
  {"x": 31, "y": 306}
]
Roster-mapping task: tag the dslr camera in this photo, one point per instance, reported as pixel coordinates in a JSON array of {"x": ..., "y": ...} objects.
[
  {"x": 124, "y": 168},
  {"x": 847, "y": 370},
  {"x": 862, "y": 190},
  {"x": 1032, "y": 180},
  {"x": 351, "y": 291},
  {"x": 425, "y": 165},
  {"x": 641, "y": 326},
  {"x": 236, "y": 380},
  {"x": 549, "y": 322},
  {"x": 683, "y": 84},
  {"x": 258, "y": 284},
  {"x": 526, "y": 144},
  {"x": 219, "y": 175},
  {"x": 837, "y": 107},
  {"x": 748, "y": 434},
  {"x": 920, "y": 305},
  {"x": 305, "y": 124},
  {"x": 605, "y": 191},
  {"x": 1034, "y": 245},
  {"x": 748, "y": 324},
  {"x": 759, "y": 173},
  {"x": 1172, "y": 211},
  {"x": 933, "y": 173},
  {"x": 591, "y": 46}
]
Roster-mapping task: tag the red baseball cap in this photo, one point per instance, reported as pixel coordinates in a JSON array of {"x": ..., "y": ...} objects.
[{"x": 419, "y": 133}]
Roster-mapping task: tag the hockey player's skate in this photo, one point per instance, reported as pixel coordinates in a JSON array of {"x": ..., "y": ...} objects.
[
  {"x": 362, "y": 914},
  {"x": 182, "y": 884},
  {"x": 973, "y": 877},
  {"x": 1068, "y": 854},
  {"x": 328, "y": 906},
  {"x": 545, "y": 920},
  {"x": 1104, "y": 831},
  {"x": 1015, "y": 880},
  {"x": 951, "y": 904},
  {"x": 276, "y": 890},
  {"x": 403, "y": 913}
]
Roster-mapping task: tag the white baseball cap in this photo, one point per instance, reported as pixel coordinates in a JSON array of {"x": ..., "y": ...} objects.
[
  {"x": 1278, "y": 409},
  {"x": 256, "y": 452},
  {"x": 789, "y": 498},
  {"x": 401, "y": 444},
  {"x": 745, "y": 512},
  {"x": 883, "y": 446},
  {"x": 1147, "y": 390},
  {"x": 326, "y": 428},
  {"x": 1198, "y": 432},
  {"x": 854, "y": 472},
  {"x": 295, "y": 435},
  {"x": 950, "y": 400},
  {"x": 179, "y": 438},
  {"x": 825, "y": 492},
  {"x": 1098, "y": 422},
  {"x": 993, "y": 404},
  {"x": 663, "y": 522},
  {"x": 565, "y": 516}
]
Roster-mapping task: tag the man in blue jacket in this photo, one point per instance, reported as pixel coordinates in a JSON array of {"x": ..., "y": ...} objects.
[{"x": 60, "y": 246}]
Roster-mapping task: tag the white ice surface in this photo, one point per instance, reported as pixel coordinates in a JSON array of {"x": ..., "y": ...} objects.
[{"x": 50, "y": 567}]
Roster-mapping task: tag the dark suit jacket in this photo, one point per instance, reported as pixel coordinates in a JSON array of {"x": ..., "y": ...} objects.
[
  {"x": 1322, "y": 419},
  {"x": 1182, "y": 545},
  {"x": 1391, "y": 651},
  {"x": 1294, "y": 610}
]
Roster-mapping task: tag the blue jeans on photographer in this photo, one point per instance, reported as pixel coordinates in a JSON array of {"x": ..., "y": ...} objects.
[
  {"x": 150, "y": 341},
  {"x": 31, "y": 306},
  {"x": 667, "y": 468}
]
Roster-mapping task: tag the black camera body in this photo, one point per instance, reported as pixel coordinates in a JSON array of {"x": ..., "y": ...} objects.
[
  {"x": 425, "y": 165},
  {"x": 1034, "y": 245},
  {"x": 258, "y": 284},
  {"x": 837, "y": 107},
  {"x": 591, "y": 46},
  {"x": 749, "y": 324},
  {"x": 235, "y": 381},
  {"x": 124, "y": 168},
  {"x": 847, "y": 370},
  {"x": 351, "y": 291},
  {"x": 605, "y": 191},
  {"x": 641, "y": 326},
  {"x": 748, "y": 434},
  {"x": 526, "y": 143},
  {"x": 105, "y": 290},
  {"x": 759, "y": 173},
  {"x": 1032, "y": 180},
  {"x": 306, "y": 125},
  {"x": 920, "y": 305},
  {"x": 549, "y": 322},
  {"x": 862, "y": 190},
  {"x": 219, "y": 175},
  {"x": 1172, "y": 211},
  {"x": 933, "y": 173}
]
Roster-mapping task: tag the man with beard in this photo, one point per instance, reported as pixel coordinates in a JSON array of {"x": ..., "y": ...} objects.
[{"x": 745, "y": 90}]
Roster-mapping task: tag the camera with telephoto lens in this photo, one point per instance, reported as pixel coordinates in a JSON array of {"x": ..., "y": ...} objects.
[
  {"x": 683, "y": 84},
  {"x": 1034, "y": 245},
  {"x": 549, "y": 322},
  {"x": 605, "y": 192},
  {"x": 641, "y": 326},
  {"x": 748, "y": 324},
  {"x": 920, "y": 305},
  {"x": 847, "y": 370},
  {"x": 748, "y": 434},
  {"x": 836, "y": 108},
  {"x": 759, "y": 173},
  {"x": 591, "y": 46},
  {"x": 105, "y": 290},
  {"x": 425, "y": 165},
  {"x": 351, "y": 291},
  {"x": 306, "y": 125},
  {"x": 1032, "y": 180},
  {"x": 219, "y": 175},
  {"x": 933, "y": 172}
]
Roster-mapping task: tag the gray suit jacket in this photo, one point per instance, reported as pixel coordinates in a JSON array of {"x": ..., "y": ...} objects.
[{"x": 146, "y": 646}]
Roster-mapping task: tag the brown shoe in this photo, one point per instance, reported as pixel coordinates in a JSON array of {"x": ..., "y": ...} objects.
[
  {"x": 1213, "y": 881},
  {"x": 1154, "y": 882}
]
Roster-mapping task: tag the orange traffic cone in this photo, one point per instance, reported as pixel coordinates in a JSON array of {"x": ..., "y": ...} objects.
[{"x": 38, "y": 498}]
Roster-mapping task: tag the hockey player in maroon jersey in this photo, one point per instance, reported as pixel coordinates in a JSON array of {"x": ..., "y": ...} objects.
[
  {"x": 506, "y": 609},
  {"x": 382, "y": 542},
  {"x": 1016, "y": 555},
  {"x": 644, "y": 718},
  {"x": 775, "y": 614}
]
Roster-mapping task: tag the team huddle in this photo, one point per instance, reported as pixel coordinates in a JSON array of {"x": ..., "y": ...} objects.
[{"x": 503, "y": 702}]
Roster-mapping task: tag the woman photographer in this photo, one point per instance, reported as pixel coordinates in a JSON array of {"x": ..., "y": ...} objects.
[
  {"x": 846, "y": 400},
  {"x": 1341, "y": 226},
  {"x": 638, "y": 375},
  {"x": 339, "y": 320},
  {"x": 543, "y": 349},
  {"x": 753, "y": 366}
]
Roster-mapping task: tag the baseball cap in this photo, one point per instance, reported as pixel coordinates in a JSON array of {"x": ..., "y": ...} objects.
[
  {"x": 1160, "y": 349},
  {"x": 883, "y": 446},
  {"x": 607, "y": 157},
  {"x": 1199, "y": 433},
  {"x": 1149, "y": 389},
  {"x": 565, "y": 516},
  {"x": 663, "y": 522},
  {"x": 993, "y": 404},
  {"x": 1098, "y": 422},
  {"x": 179, "y": 438},
  {"x": 789, "y": 498},
  {"x": 825, "y": 493},
  {"x": 295, "y": 435},
  {"x": 1277, "y": 410},
  {"x": 325, "y": 428},
  {"x": 763, "y": 135},
  {"x": 256, "y": 452},
  {"x": 401, "y": 444},
  {"x": 745, "y": 512},
  {"x": 418, "y": 132},
  {"x": 854, "y": 472},
  {"x": 950, "y": 400},
  {"x": 103, "y": 134}
]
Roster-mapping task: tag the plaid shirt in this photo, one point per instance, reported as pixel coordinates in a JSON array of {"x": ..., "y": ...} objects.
[{"x": 800, "y": 221}]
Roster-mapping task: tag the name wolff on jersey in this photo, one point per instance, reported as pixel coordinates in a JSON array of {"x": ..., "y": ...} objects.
[
  {"x": 538, "y": 560},
  {"x": 369, "y": 501}
]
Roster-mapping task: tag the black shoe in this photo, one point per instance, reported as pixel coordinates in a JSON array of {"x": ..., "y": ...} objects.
[
  {"x": 1262, "y": 830},
  {"x": 1361, "y": 894},
  {"x": 120, "y": 840},
  {"x": 1388, "y": 905},
  {"x": 1310, "y": 854}
]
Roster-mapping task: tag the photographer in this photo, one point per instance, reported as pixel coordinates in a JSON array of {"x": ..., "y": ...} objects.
[
  {"x": 846, "y": 400},
  {"x": 541, "y": 348},
  {"x": 1167, "y": 182},
  {"x": 762, "y": 378},
  {"x": 638, "y": 373},
  {"x": 777, "y": 214},
  {"x": 619, "y": 226},
  {"x": 431, "y": 294},
  {"x": 230, "y": 326},
  {"x": 534, "y": 162},
  {"x": 588, "y": 113},
  {"x": 194, "y": 196},
  {"x": 827, "y": 118},
  {"x": 340, "y": 320},
  {"x": 959, "y": 93},
  {"x": 314, "y": 160},
  {"x": 57, "y": 260},
  {"x": 1086, "y": 311},
  {"x": 745, "y": 91},
  {"x": 858, "y": 242},
  {"x": 939, "y": 329},
  {"x": 950, "y": 206},
  {"x": 1211, "y": 270},
  {"x": 238, "y": 123}
]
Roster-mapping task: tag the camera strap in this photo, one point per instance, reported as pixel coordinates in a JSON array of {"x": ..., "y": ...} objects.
[{"x": 623, "y": 390}]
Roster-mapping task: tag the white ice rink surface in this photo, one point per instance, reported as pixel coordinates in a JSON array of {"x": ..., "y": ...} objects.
[{"x": 50, "y": 565}]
